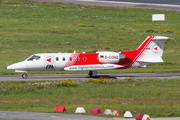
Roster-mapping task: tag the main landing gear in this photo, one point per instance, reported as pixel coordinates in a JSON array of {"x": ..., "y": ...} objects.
[
  {"x": 24, "y": 76},
  {"x": 92, "y": 74}
]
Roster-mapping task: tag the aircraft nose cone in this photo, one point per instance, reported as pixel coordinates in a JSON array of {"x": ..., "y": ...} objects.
[
  {"x": 16, "y": 66},
  {"x": 9, "y": 67}
]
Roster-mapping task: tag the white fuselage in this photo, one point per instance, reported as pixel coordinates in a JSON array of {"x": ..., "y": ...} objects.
[{"x": 149, "y": 52}]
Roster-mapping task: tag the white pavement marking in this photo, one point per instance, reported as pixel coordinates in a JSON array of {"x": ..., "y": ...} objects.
[{"x": 133, "y": 3}]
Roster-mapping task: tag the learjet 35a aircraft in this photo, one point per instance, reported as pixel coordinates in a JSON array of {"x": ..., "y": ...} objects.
[{"x": 149, "y": 52}]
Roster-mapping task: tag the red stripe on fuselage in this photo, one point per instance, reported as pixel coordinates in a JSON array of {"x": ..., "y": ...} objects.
[
  {"x": 84, "y": 59},
  {"x": 91, "y": 58},
  {"x": 141, "y": 49},
  {"x": 73, "y": 61},
  {"x": 133, "y": 56}
]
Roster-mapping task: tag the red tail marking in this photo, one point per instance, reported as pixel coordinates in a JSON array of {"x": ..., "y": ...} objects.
[
  {"x": 141, "y": 51},
  {"x": 156, "y": 48}
]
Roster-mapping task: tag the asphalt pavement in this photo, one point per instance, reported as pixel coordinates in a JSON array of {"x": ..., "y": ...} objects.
[
  {"x": 15, "y": 115},
  {"x": 86, "y": 77},
  {"x": 174, "y": 5},
  {"x": 170, "y": 2}
]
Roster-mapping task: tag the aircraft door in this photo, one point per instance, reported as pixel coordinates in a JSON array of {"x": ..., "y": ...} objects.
[{"x": 50, "y": 63}]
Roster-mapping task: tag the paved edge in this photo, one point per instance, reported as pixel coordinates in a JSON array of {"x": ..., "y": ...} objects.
[{"x": 117, "y": 4}]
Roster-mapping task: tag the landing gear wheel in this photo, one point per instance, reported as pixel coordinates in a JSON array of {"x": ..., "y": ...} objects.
[
  {"x": 24, "y": 76},
  {"x": 90, "y": 74},
  {"x": 93, "y": 74}
]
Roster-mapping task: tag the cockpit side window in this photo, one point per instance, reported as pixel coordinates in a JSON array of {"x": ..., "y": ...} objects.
[{"x": 33, "y": 57}]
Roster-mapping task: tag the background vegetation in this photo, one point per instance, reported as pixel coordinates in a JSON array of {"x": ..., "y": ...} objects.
[
  {"x": 31, "y": 27},
  {"x": 155, "y": 97}
]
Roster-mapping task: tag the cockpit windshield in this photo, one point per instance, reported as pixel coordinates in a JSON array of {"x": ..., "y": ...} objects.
[{"x": 33, "y": 57}]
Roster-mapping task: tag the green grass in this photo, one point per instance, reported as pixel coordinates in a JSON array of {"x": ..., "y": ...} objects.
[
  {"x": 31, "y": 27},
  {"x": 155, "y": 97}
]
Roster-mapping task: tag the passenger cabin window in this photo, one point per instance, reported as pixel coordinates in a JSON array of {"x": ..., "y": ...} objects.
[
  {"x": 77, "y": 58},
  {"x": 57, "y": 59},
  {"x": 70, "y": 58},
  {"x": 84, "y": 58},
  {"x": 34, "y": 57},
  {"x": 64, "y": 58}
]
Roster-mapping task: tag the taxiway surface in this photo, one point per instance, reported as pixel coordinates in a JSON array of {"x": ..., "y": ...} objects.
[
  {"x": 14, "y": 115},
  {"x": 85, "y": 76},
  {"x": 162, "y": 4}
]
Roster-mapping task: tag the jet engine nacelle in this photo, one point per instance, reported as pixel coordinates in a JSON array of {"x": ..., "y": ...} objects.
[{"x": 110, "y": 57}]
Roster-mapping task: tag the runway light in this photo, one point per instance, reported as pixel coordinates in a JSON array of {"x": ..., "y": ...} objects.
[
  {"x": 138, "y": 116},
  {"x": 115, "y": 113},
  {"x": 95, "y": 111},
  {"x": 128, "y": 114},
  {"x": 146, "y": 117},
  {"x": 80, "y": 110},
  {"x": 60, "y": 109},
  {"x": 107, "y": 112}
]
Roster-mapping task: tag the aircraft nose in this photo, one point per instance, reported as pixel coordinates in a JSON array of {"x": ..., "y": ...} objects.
[
  {"x": 9, "y": 67},
  {"x": 16, "y": 66},
  {"x": 12, "y": 67}
]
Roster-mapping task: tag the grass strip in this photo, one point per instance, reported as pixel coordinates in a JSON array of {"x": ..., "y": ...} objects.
[
  {"x": 31, "y": 27},
  {"x": 156, "y": 97}
]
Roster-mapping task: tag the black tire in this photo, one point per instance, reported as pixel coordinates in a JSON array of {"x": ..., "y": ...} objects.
[
  {"x": 90, "y": 74},
  {"x": 24, "y": 76}
]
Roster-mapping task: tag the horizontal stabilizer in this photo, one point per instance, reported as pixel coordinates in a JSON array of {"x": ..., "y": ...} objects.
[
  {"x": 151, "y": 60},
  {"x": 21, "y": 71},
  {"x": 92, "y": 67},
  {"x": 160, "y": 38}
]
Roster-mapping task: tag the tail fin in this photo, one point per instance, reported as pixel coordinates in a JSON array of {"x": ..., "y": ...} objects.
[{"x": 151, "y": 50}]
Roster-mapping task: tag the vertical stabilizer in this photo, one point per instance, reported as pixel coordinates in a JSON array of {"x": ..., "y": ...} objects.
[{"x": 151, "y": 50}]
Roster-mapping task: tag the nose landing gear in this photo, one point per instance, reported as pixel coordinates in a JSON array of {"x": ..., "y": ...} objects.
[{"x": 24, "y": 76}]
